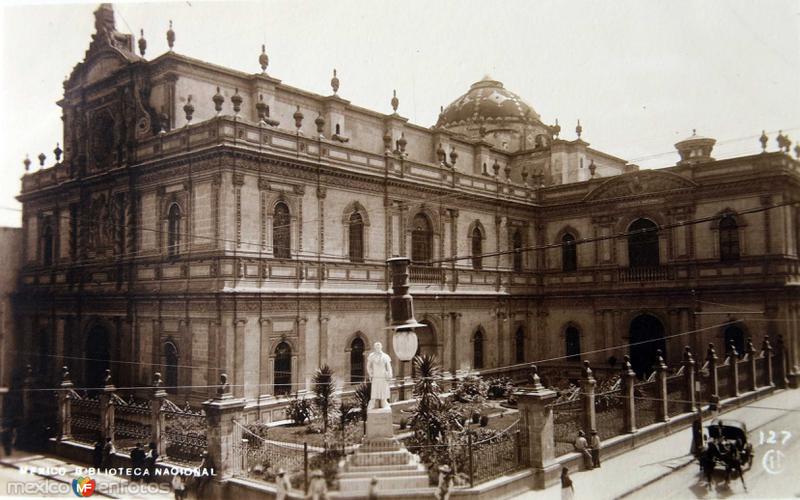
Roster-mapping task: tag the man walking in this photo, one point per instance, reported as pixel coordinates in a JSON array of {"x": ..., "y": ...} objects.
[
  {"x": 108, "y": 453},
  {"x": 594, "y": 442},
  {"x": 582, "y": 447},
  {"x": 137, "y": 461}
]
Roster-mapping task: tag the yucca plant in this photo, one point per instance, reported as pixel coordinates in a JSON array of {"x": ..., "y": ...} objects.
[
  {"x": 324, "y": 394},
  {"x": 362, "y": 396}
]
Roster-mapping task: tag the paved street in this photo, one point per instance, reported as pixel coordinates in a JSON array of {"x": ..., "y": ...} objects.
[{"x": 665, "y": 469}]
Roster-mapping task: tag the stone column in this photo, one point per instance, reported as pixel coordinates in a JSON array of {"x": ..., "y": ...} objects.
[
  {"x": 588, "y": 384},
  {"x": 733, "y": 360},
  {"x": 455, "y": 319},
  {"x": 107, "y": 408},
  {"x": 713, "y": 375},
  {"x": 536, "y": 415},
  {"x": 264, "y": 368},
  {"x": 766, "y": 352},
  {"x": 751, "y": 364},
  {"x": 157, "y": 424},
  {"x": 220, "y": 414},
  {"x": 688, "y": 377},
  {"x": 629, "y": 410},
  {"x": 662, "y": 413},
  {"x": 238, "y": 349},
  {"x": 64, "y": 409}
]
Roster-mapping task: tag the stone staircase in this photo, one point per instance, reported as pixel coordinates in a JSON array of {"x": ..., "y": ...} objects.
[{"x": 386, "y": 460}]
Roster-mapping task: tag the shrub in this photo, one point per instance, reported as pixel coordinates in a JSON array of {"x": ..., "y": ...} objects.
[
  {"x": 471, "y": 389},
  {"x": 499, "y": 387},
  {"x": 484, "y": 420},
  {"x": 299, "y": 410},
  {"x": 324, "y": 399}
]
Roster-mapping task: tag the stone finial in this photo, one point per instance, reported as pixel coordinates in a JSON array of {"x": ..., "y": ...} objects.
[
  {"x": 579, "y": 129},
  {"x": 261, "y": 109},
  {"x": 592, "y": 168},
  {"x": 766, "y": 346},
  {"x": 142, "y": 43},
  {"x": 524, "y": 175},
  {"x": 440, "y": 154},
  {"x": 320, "y": 123},
  {"x": 507, "y": 170},
  {"x": 763, "y": 139},
  {"x": 535, "y": 380},
  {"x": 224, "y": 388},
  {"x": 218, "y": 100},
  {"x": 395, "y": 101},
  {"x": 188, "y": 108},
  {"x": 263, "y": 59},
  {"x": 157, "y": 382},
  {"x": 732, "y": 352},
  {"x": 42, "y": 158},
  {"x": 627, "y": 368},
  {"x": 64, "y": 374},
  {"x": 780, "y": 140},
  {"x": 236, "y": 100},
  {"x": 453, "y": 156},
  {"x": 556, "y": 129},
  {"x": 787, "y": 144},
  {"x": 27, "y": 163},
  {"x": 170, "y": 36},
  {"x": 749, "y": 347},
  {"x": 58, "y": 152},
  {"x": 335, "y": 82},
  {"x": 711, "y": 355},
  {"x": 660, "y": 364},
  {"x": 797, "y": 150},
  {"x": 688, "y": 358},
  {"x": 107, "y": 379},
  {"x": 298, "y": 118},
  {"x": 402, "y": 142},
  {"x": 496, "y": 167},
  {"x": 586, "y": 371}
]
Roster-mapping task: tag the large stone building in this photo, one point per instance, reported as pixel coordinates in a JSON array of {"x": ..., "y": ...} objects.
[{"x": 204, "y": 220}]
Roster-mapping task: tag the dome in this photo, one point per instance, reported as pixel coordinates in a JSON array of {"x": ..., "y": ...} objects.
[{"x": 487, "y": 101}]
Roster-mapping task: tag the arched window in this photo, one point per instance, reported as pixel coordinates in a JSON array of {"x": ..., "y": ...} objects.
[
  {"x": 281, "y": 232},
  {"x": 356, "y": 236},
  {"x": 728, "y": 239},
  {"x": 171, "y": 366},
  {"x": 643, "y": 243},
  {"x": 357, "y": 360},
  {"x": 519, "y": 345},
  {"x": 477, "y": 350},
  {"x": 516, "y": 243},
  {"x": 572, "y": 340},
  {"x": 283, "y": 369},
  {"x": 569, "y": 253},
  {"x": 47, "y": 245},
  {"x": 477, "y": 248},
  {"x": 421, "y": 239},
  {"x": 174, "y": 230}
]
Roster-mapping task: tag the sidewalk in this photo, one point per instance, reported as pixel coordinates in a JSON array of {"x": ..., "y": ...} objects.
[
  {"x": 39, "y": 468},
  {"x": 626, "y": 473}
]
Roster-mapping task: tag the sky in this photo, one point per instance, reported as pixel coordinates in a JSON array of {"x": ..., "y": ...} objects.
[{"x": 640, "y": 75}]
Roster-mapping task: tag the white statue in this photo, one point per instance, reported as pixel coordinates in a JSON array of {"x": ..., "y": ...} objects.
[{"x": 379, "y": 368}]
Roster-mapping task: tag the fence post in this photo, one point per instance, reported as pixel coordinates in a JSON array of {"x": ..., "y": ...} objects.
[
  {"x": 471, "y": 463},
  {"x": 733, "y": 360},
  {"x": 662, "y": 414},
  {"x": 536, "y": 416},
  {"x": 751, "y": 363},
  {"x": 780, "y": 367},
  {"x": 305, "y": 466},
  {"x": 220, "y": 414},
  {"x": 588, "y": 384},
  {"x": 64, "y": 409},
  {"x": 711, "y": 359},
  {"x": 688, "y": 374},
  {"x": 766, "y": 352},
  {"x": 156, "y": 416},
  {"x": 628, "y": 381},
  {"x": 107, "y": 408}
]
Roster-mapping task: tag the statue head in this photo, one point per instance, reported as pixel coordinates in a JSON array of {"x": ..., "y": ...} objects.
[{"x": 378, "y": 347}]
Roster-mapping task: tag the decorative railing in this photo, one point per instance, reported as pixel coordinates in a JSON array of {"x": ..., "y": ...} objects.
[
  {"x": 185, "y": 432},
  {"x": 131, "y": 422},
  {"x": 654, "y": 273},
  {"x": 84, "y": 417},
  {"x": 567, "y": 415},
  {"x": 425, "y": 274},
  {"x": 499, "y": 454},
  {"x": 646, "y": 397}
]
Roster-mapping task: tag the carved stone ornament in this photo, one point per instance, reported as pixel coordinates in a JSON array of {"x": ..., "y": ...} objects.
[{"x": 642, "y": 182}]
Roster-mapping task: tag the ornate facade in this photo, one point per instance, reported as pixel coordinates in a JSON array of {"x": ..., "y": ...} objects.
[{"x": 204, "y": 220}]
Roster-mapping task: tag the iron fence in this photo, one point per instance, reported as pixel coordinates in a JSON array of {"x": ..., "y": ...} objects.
[
  {"x": 184, "y": 433},
  {"x": 84, "y": 417},
  {"x": 567, "y": 416},
  {"x": 609, "y": 413},
  {"x": 645, "y": 395},
  {"x": 498, "y": 454},
  {"x": 677, "y": 395},
  {"x": 131, "y": 422}
]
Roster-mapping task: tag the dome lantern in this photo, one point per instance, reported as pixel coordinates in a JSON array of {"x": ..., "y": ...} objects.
[{"x": 695, "y": 149}]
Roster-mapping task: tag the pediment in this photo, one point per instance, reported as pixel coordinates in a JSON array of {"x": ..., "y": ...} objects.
[
  {"x": 103, "y": 66},
  {"x": 638, "y": 183}
]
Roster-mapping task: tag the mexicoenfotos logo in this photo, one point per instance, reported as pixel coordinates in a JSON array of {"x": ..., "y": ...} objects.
[{"x": 83, "y": 486}]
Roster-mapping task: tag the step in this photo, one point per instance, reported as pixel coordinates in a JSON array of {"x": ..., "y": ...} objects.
[
  {"x": 381, "y": 458},
  {"x": 358, "y": 473},
  {"x": 404, "y": 482},
  {"x": 369, "y": 469}
]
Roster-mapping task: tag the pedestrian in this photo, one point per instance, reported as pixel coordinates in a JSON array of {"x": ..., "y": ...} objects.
[
  {"x": 150, "y": 462},
  {"x": 445, "y": 482},
  {"x": 8, "y": 439},
  {"x": 108, "y": 453},
  {"x": 138, "y": 457},
  {"x": 282, "y": 485},
  {"x": 178, "y": 487},
  {"x": 97, "y": 455},
  {"x": 594, "y": 442},
  {"x": 582, "y": 447},
  {"x": 206, "y": 470},
  {"x": 567, "y": 490},
  {"x": 317, "y": 488},
  {"x": 372, "y": 493},
  {"x": 697, "y": 436}
]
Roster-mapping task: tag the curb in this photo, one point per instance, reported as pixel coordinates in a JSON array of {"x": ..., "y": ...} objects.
[{"x": 690, "y": 462}]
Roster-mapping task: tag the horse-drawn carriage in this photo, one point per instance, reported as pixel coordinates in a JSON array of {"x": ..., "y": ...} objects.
[{"x": 727, "y": 444}]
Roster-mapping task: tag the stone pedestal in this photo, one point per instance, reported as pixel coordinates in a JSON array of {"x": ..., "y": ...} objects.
[
  {"x": 382, "y": 457},
  {"x": 220, "y": 414},
  {"x": 536, "y": 416}
]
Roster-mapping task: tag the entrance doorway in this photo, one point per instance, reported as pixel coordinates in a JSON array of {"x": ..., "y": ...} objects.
[
  {"x": 98, "y": 355},
  {"x": 646, "y": 337}
]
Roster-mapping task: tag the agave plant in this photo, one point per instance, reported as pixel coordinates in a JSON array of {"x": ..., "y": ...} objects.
[
  {"x": 324, "y": 394},
  {"x": 362, "y": 397}
]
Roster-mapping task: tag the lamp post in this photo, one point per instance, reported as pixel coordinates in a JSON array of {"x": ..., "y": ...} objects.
[{"x": 404, "y": 340}]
